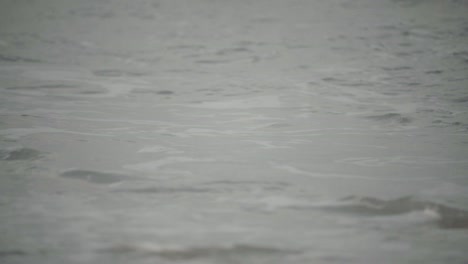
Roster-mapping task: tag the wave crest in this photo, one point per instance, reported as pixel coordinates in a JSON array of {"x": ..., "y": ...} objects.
[{"x": 445, "y": 216}]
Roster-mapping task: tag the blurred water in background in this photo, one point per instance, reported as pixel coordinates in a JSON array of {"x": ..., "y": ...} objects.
[{"x": 215, "y": 131}]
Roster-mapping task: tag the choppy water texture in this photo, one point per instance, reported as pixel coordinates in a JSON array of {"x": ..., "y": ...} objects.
[{"x": 157, "y": 131}]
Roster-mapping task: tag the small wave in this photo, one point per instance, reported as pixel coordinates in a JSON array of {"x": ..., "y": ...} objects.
[
  {"x": 13, "y": 252},
  {"x": 397, "y": 68},
  {"x": 463, "y": 99},
  {"x": 193, "y": 253},
  {"x": 444, "y": 216},
  {"x": 167, "y": 190},
  {"x": 234, "y": 50},
  {"x": 158, "y": 164},
  {"x": 19, "y": 154},
  {"x": 267, "y": 101},
  {"x": 116, "y": 73},
  {"x": 42, "y": 87},
  {"x": 149, "y": 91},
  {"x": 394, "y": 118},
  {"x": 212, "y": 61},
  {"x": 95, "y": 177},
  {"x": 57, "y": 89},
  {"x": 13, "y": 58}
]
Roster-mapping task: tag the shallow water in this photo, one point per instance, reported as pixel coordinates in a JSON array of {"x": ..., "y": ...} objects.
[{"x": 233, "y": 131}]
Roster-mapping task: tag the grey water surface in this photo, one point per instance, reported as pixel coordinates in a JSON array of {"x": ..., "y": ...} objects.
[{"x": 217, "y": 131}]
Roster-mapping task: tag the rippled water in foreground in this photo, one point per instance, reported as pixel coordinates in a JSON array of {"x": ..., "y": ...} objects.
[{"x": 213, "y": 131}]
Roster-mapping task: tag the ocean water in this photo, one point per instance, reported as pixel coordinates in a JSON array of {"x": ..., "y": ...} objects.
[{"x": 216, "y": 131}]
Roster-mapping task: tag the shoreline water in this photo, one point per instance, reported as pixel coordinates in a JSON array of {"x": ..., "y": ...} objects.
[{"x": 233, "y": 132}]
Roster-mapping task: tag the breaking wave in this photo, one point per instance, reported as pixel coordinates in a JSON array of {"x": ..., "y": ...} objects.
[{"x": 444, "y": 216}]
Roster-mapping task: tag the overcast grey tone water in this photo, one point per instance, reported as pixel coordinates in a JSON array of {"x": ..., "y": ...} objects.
[{"x": 216, "y": 131}]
